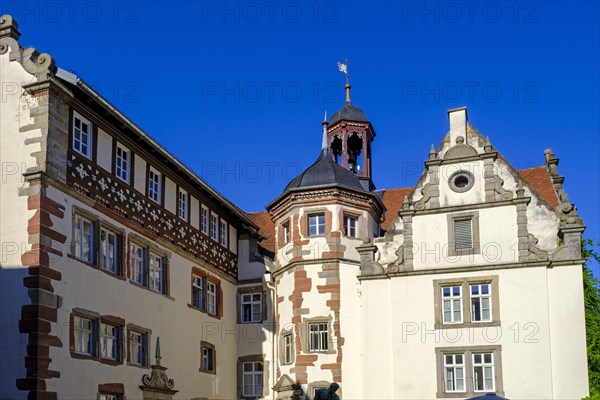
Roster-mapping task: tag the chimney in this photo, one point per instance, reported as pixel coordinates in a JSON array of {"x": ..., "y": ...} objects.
[{"x": 458, "y": 124}]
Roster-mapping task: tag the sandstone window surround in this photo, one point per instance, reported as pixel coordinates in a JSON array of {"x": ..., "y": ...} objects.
[
  {"x": 96, "y": 337},
  {"x": 317, "y": 335},
  {"x": 316, "y": 224},
  {"x": 208, "y": 358},
  {"x": 461, "y": 181},
  {"x": 252, "y": 381},
  {"x": 286, "y": 232},
  {"x": 463, "y": 234},
  {"x": 138, "y": 346},
  {"x": 350, "y": 224},
  {"x": 469, "y": 371},
  {"x": 148, "y": 265},
  {"x": 476, "y": 303},
  {"x": 206, "y": 293}
]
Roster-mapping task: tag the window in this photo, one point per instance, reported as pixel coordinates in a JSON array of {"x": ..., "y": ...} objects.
[
  {"x": 83, "y": 334},
  {"x": 122, "y": 163},
  {"x": 157, "y": 273},
  {"x": 214, "y": 233},
  {"x": 183, "y": 205},
  {"x": 461, "y": 181},
  {"x": 223, "y": 233},
  {"x": 208, "y": 358},
  {"x": 317, "y": 336},
  {"x": 252, "y": 379},
  {"x": 82, "y": 136},
  {"x": 288, "y": 349},
  {"x": 463, "y": 234},
  {"x": 349, "y": 226},
  {"x": 204, "y": 219},
  {"x": 472, "y": 301},
  {"x": 452, "y": 304},
  {"x": 110, "y": 343},
  {"x": 154, "y": 179},
  {"x": 109, "y": 250},
  {"x": 211, "y": 298},
  {"x": 84, "y": 239},
  {"x": 454, "y": 373},
  {"x": 481, "y": 303},
  {"x": 138, "y": 348},
  {"x": 316, "y": 224},
  {"x": 138, "y": 264},
  {"x": 110, "y": 397},
  {"x": 467, "y": 371},
  {"x": 251, "y": 307},
  {"x": 198, "y": 292},
  {"x": 483, "y": 372},
  {"x": 286, "y": 232}
]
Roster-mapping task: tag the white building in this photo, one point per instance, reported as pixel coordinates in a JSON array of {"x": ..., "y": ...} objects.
[{"x": 467, "y": 283}]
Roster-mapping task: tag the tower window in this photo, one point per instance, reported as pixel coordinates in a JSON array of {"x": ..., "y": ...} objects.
[
  {"x": 354, "y": 152},
  {"x": 316, "y": 224},
  {"x": 350, "y": 225}
]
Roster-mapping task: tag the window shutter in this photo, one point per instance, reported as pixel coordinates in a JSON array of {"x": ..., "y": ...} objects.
[{"x": 463, "y": 238}]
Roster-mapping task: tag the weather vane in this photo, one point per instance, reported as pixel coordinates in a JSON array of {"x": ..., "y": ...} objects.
[{"x": 343, "y": 67}]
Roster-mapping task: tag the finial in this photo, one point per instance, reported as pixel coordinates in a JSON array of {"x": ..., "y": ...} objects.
[
  {"x": 432, "y": 153},
  {"x": 324, "y": 146},
  {"x": 344, "y": 68},
  {"x": 157, "y": 356}
]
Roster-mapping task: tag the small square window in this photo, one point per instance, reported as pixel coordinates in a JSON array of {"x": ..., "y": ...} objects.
[{"x": 316, "y": 224}]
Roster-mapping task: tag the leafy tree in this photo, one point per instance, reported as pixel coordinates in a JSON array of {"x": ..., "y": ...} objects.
[{"x": 591, "y": 292}]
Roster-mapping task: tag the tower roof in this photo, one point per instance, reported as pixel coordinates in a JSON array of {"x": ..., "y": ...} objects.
[{"x": 348, "y": 112}]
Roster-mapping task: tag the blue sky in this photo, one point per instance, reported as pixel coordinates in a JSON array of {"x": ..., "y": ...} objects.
[{"x": 237, "y": 90}]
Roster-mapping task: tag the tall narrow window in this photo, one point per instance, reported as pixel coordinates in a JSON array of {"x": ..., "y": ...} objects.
[
  {"x": 110, "y": 345},
  {"x": 84, "y": 239},
  {"x": 109, "y": 250},
  {"x": 483, "y": 372},
  {"x": 211, "y": 298},
  {"x": 154, "y": 179},
  {"x": 157, "y": 273},
  {"x": 138, "y": 264},
  {"x": 138, "y": 348},
  {"x": 316, "y": 224},
  {"x": 463, "y": 235},
  {"x": 288, "y": 349},
  {"x": 83, "y": 333},
  {"x": 123, "y": 163},
  {"x": 454, "y": 372},
  {"x": 452, "y": 304},
  {"x": 349, "y": 226},
  {"x": 481, "y": 303},
  {"x": 82, "y": 136},
  {"x": 214, "y": 233},
  {"x": 204, "y": 219},
  {"x": 223, "y": 233},
  {"x": 198, "y": 292},
  {"x": 318, "y": 335},
  {"x": 251, "y": 307},
  {"x": 208, "y": 361},
  {"x": 286, "y": 232},
  {"x": 183, "y": 205},
  {"x": 252, "y": 379}
]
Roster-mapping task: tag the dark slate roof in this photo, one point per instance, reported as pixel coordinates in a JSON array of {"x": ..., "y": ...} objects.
[
  {"x": 348, "y": 112},
  {"x": 325, "y": 173}
]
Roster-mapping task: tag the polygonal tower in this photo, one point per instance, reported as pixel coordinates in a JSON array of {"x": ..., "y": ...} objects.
[{"x": 322, "y": 216}]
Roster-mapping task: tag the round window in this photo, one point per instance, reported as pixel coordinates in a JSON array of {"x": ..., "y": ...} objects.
[{"x": 461, "y": 181}]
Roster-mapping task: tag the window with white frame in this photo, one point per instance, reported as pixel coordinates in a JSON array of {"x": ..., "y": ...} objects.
[
  {"x": 316, "y": 224},
  {"x": 481, "y": 302},
  {"x": 208, "y": 358},
  {"x": 110, "y": 343},
  {"x": 183, "y": 205},
  {"x": 251, "y": 307},
  {"x": 286, "y": 232},
  {"x": 138, "y": 348},
  {"x": 82, "y": 136},
  {"x": 223, "y": 233},
  {"x": 157, "y": 273},
  {"x": 198, "y": 292},
  {"x": 154, "y": 182},
  {"x": 350, "y": 226},
  {"x": 252, "y": 373},
  {"x": 84, "y": 239},
  {"x": 452, "y": 304},
  {"x": 204, "y": 219},
  {"x": 138, "y": 264},
  {"x": 83, "y": 335},
  {"x": 454, "y": 373},
  {"x": 109, "y": 250},
  {"x": 483, "y": 372},
  {"x": 318, "y": 333},
  {"x": 288, "y": 349},
  {"x": 123, "y": 163},
  {"x": 211, "y": 298},
  {"x": 214, "y": 233}
]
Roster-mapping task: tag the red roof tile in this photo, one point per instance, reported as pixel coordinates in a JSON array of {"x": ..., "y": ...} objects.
[
  {"x": 540, "y": 181},
  {"x": 392, "y": 200},
  {"x": 267, "y": 229}
]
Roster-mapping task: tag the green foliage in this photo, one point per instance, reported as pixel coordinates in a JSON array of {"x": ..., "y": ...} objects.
[{"x": 591, "y": 292}]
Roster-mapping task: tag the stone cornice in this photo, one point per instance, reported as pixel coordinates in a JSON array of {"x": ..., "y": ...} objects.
[{"x": 294, "y": 264}]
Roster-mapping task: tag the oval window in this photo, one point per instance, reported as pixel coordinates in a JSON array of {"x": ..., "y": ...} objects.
[{"x": 461, "y": 181}]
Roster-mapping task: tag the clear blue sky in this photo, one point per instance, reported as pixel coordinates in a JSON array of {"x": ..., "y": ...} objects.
[{"x": 237, "y": 90}]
